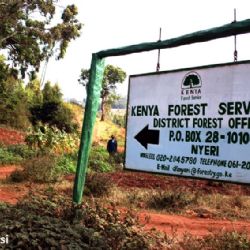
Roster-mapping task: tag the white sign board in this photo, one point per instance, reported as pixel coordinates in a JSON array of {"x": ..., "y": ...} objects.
[{"x": 191, "y": 122}]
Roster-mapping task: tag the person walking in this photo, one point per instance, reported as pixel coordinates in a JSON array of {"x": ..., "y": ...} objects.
[{"x": 112, "y": 145}]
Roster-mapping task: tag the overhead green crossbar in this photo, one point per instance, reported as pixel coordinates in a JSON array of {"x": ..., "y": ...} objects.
[{"x": 96, "y": 76}]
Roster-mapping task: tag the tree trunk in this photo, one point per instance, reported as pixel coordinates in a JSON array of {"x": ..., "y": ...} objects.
[{"x": 102, "y": 110}]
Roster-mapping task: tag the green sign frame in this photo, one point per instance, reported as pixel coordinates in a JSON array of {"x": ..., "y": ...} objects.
[{"x": 96, "y": 76}]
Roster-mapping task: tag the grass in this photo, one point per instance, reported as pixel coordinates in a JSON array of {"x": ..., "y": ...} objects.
[
  {"x": 223, "y": 240},
  {"x": 104, "y": 129},
  {"x": 8, "y": 157},
  {"x": 187, "y": 203}
]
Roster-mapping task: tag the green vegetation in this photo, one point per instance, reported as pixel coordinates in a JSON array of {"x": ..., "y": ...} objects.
[
  {"x": 31, "y": 32},
  {"x": 67, "y": 163},
  {"x": 22, "y": 106},
  {"x": 44, "y": 168},
  {"x": 52, "y": 110},
  {"x": 38, "y": 222},
  {"x": 29, "y": 35},
  {"x": 119, "y": 120},
  {"x": 112, "y": 75},
  {"x": 50, "y": 139},
  {"x": 22, "y": 150},
  {"x": 223, "y": 240},
  {"x": 14, "y": 109},
  {"x": 16, "y": 154},
  {"x": 171, "y": 201},
  {"x": 8, "y": 157},
  {"x": 99, "y": 160}
]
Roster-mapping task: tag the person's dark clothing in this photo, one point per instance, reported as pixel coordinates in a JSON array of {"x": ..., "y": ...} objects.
[{"x": 112, "y": 146}]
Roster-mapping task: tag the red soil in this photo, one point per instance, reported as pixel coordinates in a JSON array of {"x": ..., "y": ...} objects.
[
  {"x": 180, "y": 225},
  {"x": 6, "y": 170},
  {"x": 152, "y": 181},
  {"x": 11, "y": 137},
  {"x": 12, "y": 194}
]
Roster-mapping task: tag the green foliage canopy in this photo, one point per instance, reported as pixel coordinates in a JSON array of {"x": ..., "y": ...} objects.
[
  {"x": 48, "y": 107},
  {"x": 112, "y": 76},
  {"x": 13, "y": 99},
  {"x": 28, "y": 32}
]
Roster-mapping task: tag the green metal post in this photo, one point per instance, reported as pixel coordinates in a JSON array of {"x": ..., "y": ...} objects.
[{"x": 91, "y": 108}]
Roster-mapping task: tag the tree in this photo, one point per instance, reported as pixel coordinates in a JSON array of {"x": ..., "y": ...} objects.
[
  {"x": 112, "y": 76},
  {"x": 34, "y": 93},
  {"x": 27, "y": 33},
  {"x": 52, "y": 110},
  {"x": 51, "y": 94},
  {"x": 13, "y": 99}
]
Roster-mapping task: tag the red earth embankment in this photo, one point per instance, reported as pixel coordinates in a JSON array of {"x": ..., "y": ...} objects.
[{"x": 11, "y": 137}]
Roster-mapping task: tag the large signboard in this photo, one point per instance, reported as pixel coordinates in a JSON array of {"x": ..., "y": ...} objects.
[{"x": 191, "y": 122}]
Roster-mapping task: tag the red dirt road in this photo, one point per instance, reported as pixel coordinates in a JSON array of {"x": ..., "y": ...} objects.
[{"x": 180, "y": 225}]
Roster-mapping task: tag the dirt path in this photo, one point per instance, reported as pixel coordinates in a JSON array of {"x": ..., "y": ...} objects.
[
  {"x": 170, "y": 224},
  {"x": 10, "y": 193},
  {"x": 179, "y": 225},
  {"x": 6, "y": 170}
]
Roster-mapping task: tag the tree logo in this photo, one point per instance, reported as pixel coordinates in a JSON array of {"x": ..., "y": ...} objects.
[
  {"x": 191, "y": 80},
  {"x": 191, "y": 86}
]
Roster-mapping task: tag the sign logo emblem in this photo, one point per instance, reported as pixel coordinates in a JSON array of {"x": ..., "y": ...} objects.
[
  {"x": 191, "y": 80},
  {"x": 191, "y": 86}
]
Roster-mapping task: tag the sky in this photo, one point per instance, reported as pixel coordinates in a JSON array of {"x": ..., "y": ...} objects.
[{"x": 114, "y": 23}]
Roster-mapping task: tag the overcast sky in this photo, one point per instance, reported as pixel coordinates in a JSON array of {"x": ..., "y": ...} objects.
[{"x": 115, "y": 23}]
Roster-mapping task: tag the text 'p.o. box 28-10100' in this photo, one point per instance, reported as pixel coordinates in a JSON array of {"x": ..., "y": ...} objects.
[{"x": 191, "y": 122}]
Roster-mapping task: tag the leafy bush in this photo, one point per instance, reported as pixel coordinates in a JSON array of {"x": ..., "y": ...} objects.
[
  {"x": 98, "y": 185},
  {"x": 228, "y": 240},
  {"x": 13, "y": 103},
  {"x": 23, "y": 151},
  {"x": 42, "y": 168},
  {"x": 99, "y": 160},
  {"x": 52, "y": 140},
  {"x": 15, "y": 154},
  {"x": 52, "y": 110},
  {"x": 55, "y": 114},
  {"x": 119, "y": 120},
  {"x": 41, "y": 223},
  {"x": 171, "y": 201},
  {"x": 67, "y": 164},
  {"x": 8, "y": 157}
]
